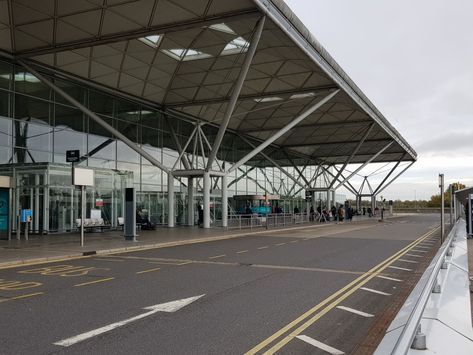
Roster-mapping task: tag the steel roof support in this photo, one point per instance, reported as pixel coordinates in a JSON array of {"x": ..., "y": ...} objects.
[
  {"x": 272, "y": 162},
  {"x": 284, "y": 130},
  {"x": 297, "y": 169},
  {"x": 182, "y": 151},
  {"x": 347, "y": 183},
  {"x": 242, "y": 176},
  {"x": 185, "y": 161},
  {"x": 364, "y": 164},
  {"x": 388, "y": 175},
  {"x": 236, "y": 91},
  {"x": 96, "y": 118},
  {"x": 368, "y": 131},
  {"x": 394, "y": 178}
]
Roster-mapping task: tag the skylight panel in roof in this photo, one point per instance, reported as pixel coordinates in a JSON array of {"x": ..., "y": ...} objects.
[
  {"x": 268, "y": 99},
  {"x": 238, "y": 45},
  {"x": 222, "y": 28},
  {"x": 186, "y": 54},
  {"x": 152, "y": 41},
  {"x": 302, "y": 96},
  {"x": 22, "y": 77}
]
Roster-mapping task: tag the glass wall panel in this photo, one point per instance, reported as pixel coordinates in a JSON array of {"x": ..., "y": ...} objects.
[
  {"x": 65, "y": 139},
  {"x": 68, "y": 117},
  {"x": 134, "y": 168},
  {"x": 5, "y": 131},
  {"x": 21, "y": 155},
  {"x": 32, "y": 136},
  {"x": 4, "y": 107},
  {"x": 5, "y": 75},
  {"x": 74, "y": 90},
  {"x": 5, "y": 154},
  {"x": 28, "y": 84},
  {"x": 31, "y": 109},
  {"x": 101, "y": 103}
]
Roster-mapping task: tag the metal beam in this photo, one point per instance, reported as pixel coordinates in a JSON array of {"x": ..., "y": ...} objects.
[
  {"x": 284, "y": 130},
  {"x": 297, "y": 169},
  {"x": 366, "y": 163},
  {"x": 182, "y": 151},
  {"x": 236, "y": 91},
  {"x": 352, "y": 155},
  {"x": 274, "y": 163},
  {"x": 394, "y": 178},
  {"x": 184, "y": 159},
  {"x": 96, "y": 118},
  {"x": 241, "y": 177},
  {"x": 142, "y": 32},
  {"x": 388, "y": 175}
]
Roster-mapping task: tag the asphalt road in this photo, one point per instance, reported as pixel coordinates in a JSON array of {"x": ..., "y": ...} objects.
[{"x": 293, "y": 292}]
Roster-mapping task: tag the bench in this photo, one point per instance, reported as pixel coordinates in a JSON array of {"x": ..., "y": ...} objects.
[{"x": 92, "y": 223}]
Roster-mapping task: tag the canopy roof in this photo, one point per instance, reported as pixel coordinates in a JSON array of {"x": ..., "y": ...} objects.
[{"x": 185, "y": 57}]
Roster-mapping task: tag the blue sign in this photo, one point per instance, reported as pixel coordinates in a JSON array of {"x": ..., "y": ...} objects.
[
  {"x": 26, "y": 215},
  {"x": 4, "y": 207}
]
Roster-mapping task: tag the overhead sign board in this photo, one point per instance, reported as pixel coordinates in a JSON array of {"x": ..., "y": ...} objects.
[
  {"x": 72, "y": 156},
  {"x": 83, "y": 177}
]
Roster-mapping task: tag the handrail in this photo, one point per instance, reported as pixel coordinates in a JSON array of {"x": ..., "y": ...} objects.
[{"x": 427, "y": 284}]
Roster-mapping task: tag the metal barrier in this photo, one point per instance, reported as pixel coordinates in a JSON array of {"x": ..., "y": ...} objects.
[
  {"x": 405, "y": 333},
  {"x": 273, "y": 220}
]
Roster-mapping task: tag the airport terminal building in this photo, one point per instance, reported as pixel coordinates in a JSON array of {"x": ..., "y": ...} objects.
[{"x": 189, "y": 102}]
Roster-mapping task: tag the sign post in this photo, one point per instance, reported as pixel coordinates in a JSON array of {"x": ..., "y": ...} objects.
[
  {"x": 82, "y": 177},
  {"x": 442, "y": 206},
  {"x": 26, "y": 217}
]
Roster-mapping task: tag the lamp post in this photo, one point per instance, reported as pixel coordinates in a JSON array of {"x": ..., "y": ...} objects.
[{"x": 442, "y": 206}]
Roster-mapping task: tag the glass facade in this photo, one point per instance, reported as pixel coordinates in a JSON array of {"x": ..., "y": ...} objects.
[{"x": 37, "y": 127}]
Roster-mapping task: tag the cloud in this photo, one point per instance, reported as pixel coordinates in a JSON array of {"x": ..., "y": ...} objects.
[{"x": 413, "y": 59}]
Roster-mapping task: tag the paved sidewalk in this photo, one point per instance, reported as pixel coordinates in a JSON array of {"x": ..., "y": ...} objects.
[{"x": 59, "y": 246}]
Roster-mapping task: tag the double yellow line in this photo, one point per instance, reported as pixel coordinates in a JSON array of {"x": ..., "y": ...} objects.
[{"x": 329, "y": 303}]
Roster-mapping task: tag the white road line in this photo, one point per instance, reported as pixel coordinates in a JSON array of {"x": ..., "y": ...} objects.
[
  {"x": 360, "y": 313},
  {"x": 172, "y": 306},
  {"x": 419, "y": 251},
  {"x": 408, "y": 261},
  {"x": 375, "y": 291},
  {"x": 415, "y": 256},
  {"x": 389, "y": 278},
  {"x": 320, "y": 345},
  {"x": 421, "y": 246},
  {"x": 399, "y": 268}
]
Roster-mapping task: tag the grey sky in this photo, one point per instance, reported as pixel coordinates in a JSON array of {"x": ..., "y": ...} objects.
[{"x": 414, "y": 60}]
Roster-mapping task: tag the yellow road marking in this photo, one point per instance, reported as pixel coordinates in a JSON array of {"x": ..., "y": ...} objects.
[
  {"x": 7, "y": 285},
  {"x": 149, "y": 270},
  {"x": 62, "y": 270},
  {"x": 94, "y": 282},
  {"x": 217, "y": 256},
  {"x": 331, "y": 301},
  {"x": 185, "y": 263},
  {"x": 242, "y": 251},
  {"x": 21, "y": 297},
  {"x": 265, "y": 247}
]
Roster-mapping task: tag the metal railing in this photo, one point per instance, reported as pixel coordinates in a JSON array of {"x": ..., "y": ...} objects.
[{"x": 409, "y": 318}]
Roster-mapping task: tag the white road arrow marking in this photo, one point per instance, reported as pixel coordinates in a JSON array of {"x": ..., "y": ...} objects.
[{"x": 169, "y": 307}]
